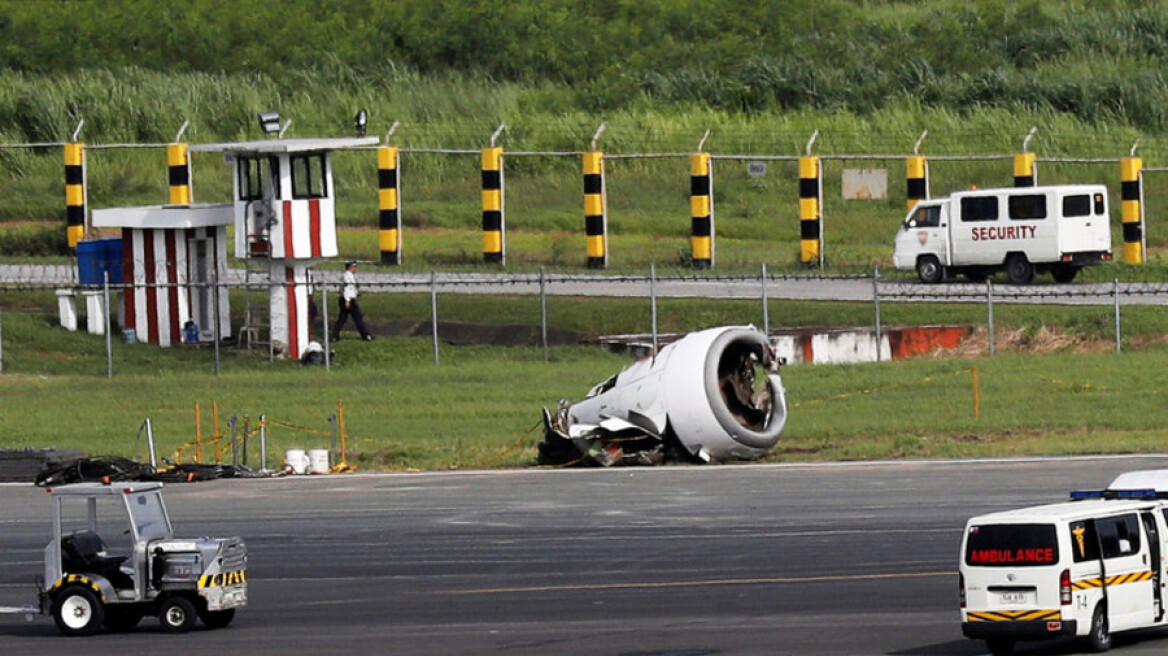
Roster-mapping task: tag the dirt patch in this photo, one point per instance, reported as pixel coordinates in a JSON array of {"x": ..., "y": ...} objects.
[{"x": 1045, "y": 339}]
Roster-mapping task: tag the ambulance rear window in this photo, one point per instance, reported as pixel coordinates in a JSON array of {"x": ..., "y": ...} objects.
[{"x": 1011, "y": 545}]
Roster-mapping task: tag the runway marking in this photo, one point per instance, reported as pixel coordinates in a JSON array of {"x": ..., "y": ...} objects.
[{"x": 708, "y": 582}]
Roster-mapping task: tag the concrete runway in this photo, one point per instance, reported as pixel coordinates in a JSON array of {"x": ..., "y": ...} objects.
[{"x": 687, "y": 561}]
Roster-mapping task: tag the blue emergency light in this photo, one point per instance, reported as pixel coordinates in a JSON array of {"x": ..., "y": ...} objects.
[{"x": 1079, "y": 495}]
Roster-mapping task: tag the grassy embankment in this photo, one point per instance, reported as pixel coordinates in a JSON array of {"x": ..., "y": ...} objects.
[{"x": 476, "y": 408}]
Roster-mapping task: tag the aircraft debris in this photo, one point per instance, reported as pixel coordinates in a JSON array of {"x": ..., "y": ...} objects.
[{"x": 712, "y": 396}]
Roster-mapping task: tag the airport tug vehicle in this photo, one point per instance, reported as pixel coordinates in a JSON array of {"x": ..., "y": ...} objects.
[{"x": 144, "y": 570}]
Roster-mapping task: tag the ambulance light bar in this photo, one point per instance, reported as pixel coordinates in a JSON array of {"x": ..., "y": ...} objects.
[{"x": 1079, "y": 495}]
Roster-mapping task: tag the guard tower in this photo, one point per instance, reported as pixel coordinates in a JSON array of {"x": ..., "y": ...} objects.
[{"x": 285, "y": 221}]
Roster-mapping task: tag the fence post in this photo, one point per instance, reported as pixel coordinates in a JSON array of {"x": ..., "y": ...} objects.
[
  {"x": 109, "y": 353},
  {"x": 1132, "y": 207},
  {"x": 434, "y": 312},
  {"x": 388, "y": 198},
  {"x": 75, "y": 190},
  {"x": 653, "y": 303},
  {"x": 766, "y": 310},
  {"x": 325, "y": 327},
  {"x": 1118, "y": 334},
  {"x": 810, "y": 209},
  {"x": 1, "y": 345},
  {"x": 263, "y": 443},
  {"x": 701, "y": 204},
  {"x": 990, "y": 312},
  {"x": 150, "y": 443},
  {"x": 595, "y": 211},
  {"x": 543, "y": 320},
  {"x": 216, "y": 334},
  {"x": 876, "y": 302}
]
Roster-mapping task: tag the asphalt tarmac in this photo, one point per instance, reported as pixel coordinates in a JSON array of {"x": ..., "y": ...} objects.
[{"x": 680, "y": 561}]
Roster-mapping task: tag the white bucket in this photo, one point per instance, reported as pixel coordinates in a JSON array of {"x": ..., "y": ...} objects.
[
  {"x": 296, "y": 460},
  {"x": 318, "y": 461}
]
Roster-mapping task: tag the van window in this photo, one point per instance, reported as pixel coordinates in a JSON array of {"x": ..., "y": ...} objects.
[
  {"x": 1028, "y": 207},
  {"x": 1118, "y": 536},
  {"x": 1011, "y": 545},
  {"x": 925, "y": 217},
  {"x": 1077, "y": 205},
  {"x": 979, "y": 208},
  {"x": 1084, "y": 541},
  {"x": 1099, "y": 205}
]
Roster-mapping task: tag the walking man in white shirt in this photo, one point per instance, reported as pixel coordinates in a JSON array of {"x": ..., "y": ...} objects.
[{"x": 349, "y": 307}]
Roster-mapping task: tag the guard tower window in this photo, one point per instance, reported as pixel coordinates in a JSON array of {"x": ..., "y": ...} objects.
[
  {"x": 308, "y": 176},
  {"x": 256, "y": 174}
]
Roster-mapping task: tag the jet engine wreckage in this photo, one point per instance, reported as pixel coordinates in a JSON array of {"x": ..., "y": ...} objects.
[{"x": 712, "y": 396}]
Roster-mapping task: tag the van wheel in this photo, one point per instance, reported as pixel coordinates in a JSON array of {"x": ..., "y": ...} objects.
[
  {"x": 1099, "y": 640},
  {"x": 929, "y": 269},
  {"x": 1019, "y": 270},
  {"x": 1000, "y": 646},
  {"x": 77, "y": 611},
  {"x": 177, "y": 615},
  {"x": 1064, "y": 272}
]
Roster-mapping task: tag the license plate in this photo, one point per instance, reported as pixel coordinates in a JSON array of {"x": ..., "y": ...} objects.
[{"x": 1013, "y": 597}]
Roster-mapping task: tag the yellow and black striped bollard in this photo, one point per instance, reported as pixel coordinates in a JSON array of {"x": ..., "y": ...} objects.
[
  {"x": 595, "y": 217},
  {"x": 1132, "y": 208},
  {"x": 493, "y": 216},
  {"x": 810, "y": 199},
  {"x": 178, "y": 161},
  {"x": 75, "y": 192},
  {"x": 701, "y": 205},
  {"x": 917, "y": 175},
  {"x": 389, "y": 211},
  {"x": 1024, "y": 170}
]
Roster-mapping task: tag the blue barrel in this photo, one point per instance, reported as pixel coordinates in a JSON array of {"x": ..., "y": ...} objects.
[{"x": 97, "y": 257}]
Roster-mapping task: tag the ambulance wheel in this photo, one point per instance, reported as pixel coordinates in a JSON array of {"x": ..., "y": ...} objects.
[
  {"x": 217, "y": 619},
  {"x": 177, "y": 615},
  {"x": 1099, "y": 640},
  {"x": 929, "y": 270},
  {"x": 77, "y": 611},
  {"x": 1019, "y": 270},
  {"x": 1064, "y": 272},
  {"x": 1000, "y": 646}
]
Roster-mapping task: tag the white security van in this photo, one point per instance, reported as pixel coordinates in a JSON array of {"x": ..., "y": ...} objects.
[
  {"x": 1085, "y": 569},
  {"x": 1021, "y": 230}
]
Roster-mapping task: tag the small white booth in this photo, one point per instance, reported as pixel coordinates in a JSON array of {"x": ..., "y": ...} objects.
[{"x": 171, "y": 257}]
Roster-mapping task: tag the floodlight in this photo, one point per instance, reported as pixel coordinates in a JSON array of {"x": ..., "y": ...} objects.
[
  {"x": 361, "y": 122},
  {"x": 269, "y": 122}
]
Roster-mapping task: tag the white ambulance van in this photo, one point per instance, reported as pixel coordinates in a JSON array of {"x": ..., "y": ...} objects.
[
  {"x": 1021, "y": 230},
  {"x": 1086, "y": 568}
]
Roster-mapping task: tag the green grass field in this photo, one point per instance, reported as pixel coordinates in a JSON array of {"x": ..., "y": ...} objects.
[{"x": 479, "y": 407}]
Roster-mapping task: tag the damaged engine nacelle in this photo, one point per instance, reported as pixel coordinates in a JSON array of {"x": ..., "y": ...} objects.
[{"x": 713, "y": 395}]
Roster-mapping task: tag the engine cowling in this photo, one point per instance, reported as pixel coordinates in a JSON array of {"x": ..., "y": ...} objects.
[{"x": 717, "y": 392}]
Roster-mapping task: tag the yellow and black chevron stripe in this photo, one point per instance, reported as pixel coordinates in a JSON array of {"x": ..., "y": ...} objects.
[
  {"x": 1119, "y": 579},
  {"x": 1013, "y": 616},
  {"x": 83, "y": 580},
  {"x": 223, "y": 579}
]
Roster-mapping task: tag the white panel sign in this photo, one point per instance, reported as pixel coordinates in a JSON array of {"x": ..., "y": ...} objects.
[{"x": 865, "y": 184}]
